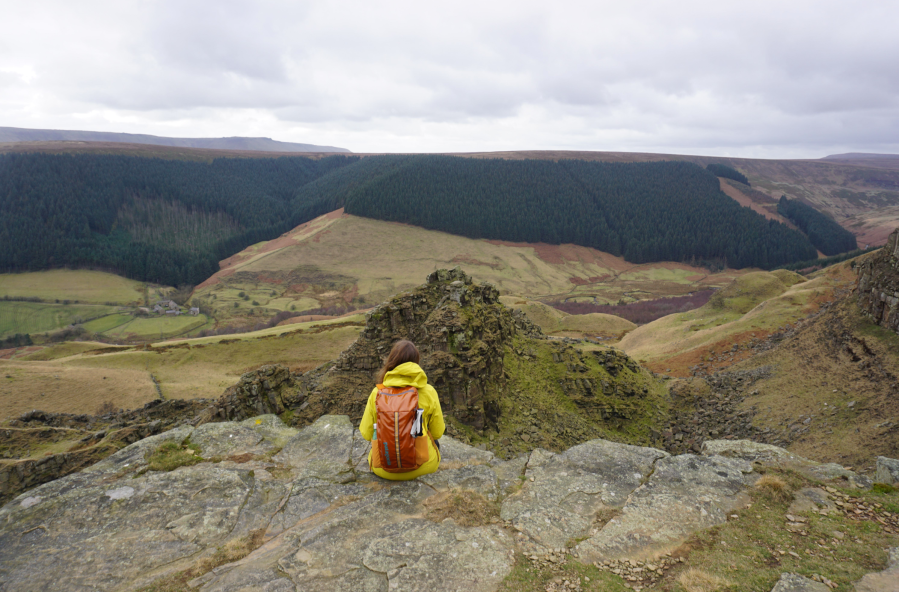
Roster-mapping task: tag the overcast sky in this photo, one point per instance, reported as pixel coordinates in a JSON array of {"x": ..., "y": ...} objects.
[{"x": 785, "y": 79}]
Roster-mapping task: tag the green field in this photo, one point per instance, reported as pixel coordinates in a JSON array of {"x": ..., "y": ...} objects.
[
  {"x": 36, "y": 317},
  {"x": 158, "y": 327},
  {"x": 93, "y": 287},
  {"x": 108, "y": 323}
]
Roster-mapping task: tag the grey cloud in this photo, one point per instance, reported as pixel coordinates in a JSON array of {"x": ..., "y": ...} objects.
[{"x": 682, "y": 77}]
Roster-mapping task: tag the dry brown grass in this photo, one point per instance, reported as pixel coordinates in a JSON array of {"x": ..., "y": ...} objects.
[
  {"x": 774, "y": 487},
  {"x": 697, "y": 580},
  {"x": 466, "y": 508},
  {"x": 51, "y": 386},
  {"x": 233, "y": 550},
  {"x": 82, "y": 383}
]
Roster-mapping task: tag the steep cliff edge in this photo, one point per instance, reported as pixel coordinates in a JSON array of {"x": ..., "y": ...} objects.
[{"x": 878, "y": 285}]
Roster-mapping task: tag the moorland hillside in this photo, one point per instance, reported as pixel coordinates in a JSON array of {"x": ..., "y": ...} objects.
[
  {"x": 810, "y": 363},
  {"x": 171, "y": 221},
  {"x": 339, "y": 262}
]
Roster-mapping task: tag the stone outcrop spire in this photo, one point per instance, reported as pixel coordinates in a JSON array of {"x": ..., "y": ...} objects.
[
  {"x": 878, "y": 285},
  {"x": 461, "y": 330}
]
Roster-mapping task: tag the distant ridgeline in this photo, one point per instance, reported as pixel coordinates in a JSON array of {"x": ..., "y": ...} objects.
[
  {"x": 654, "y": 211},
  {"x": 171, "y": 221},
  {"x": 828, "y": 236}
]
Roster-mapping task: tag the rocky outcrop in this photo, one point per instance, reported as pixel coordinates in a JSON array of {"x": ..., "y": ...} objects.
[
  {"x": 461, "y": 330},
  {"x": 878, "y": 285},
  {"x": 790, "y": 582},
  {"x": 500, "y": 380},
  {"x": 266, "y": 390},
  {"x": 321, "y": 521},
  {"x": 883, "y": 581}
]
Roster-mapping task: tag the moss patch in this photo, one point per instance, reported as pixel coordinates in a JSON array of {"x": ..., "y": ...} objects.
[{"x": 170, "y": 456}]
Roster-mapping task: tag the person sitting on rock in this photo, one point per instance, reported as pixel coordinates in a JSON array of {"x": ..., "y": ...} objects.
[{"x": 403, "y": 419}]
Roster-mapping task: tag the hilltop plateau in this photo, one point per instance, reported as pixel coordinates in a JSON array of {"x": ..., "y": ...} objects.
[{"x": 14, "y": 135}]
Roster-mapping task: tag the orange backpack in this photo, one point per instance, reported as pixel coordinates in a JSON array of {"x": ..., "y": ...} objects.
[{"x": 400, "y": 444}]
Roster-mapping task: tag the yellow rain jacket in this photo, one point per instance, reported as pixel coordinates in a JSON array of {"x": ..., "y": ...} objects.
[{"x": 409, "y": 374}]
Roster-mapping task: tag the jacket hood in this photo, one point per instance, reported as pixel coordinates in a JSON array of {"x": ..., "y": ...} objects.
[{"x": 408, "y": 374}]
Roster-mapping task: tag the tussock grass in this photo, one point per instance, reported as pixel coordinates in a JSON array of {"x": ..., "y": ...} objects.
[
  {"x": 697, "y": 580},
  {"x": 774, "y": 488}
]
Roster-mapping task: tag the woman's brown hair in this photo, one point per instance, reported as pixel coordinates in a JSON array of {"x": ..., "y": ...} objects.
[{"x": 401, "y": 352}]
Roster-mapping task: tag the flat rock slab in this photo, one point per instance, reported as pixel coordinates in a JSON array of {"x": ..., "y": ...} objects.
[
  {"x": 271, "y": 428},
  {"x": 323, "y": 450},
  {"x": 86, "y": 533},
  {"x": 330, "y": 524},
  {"x": 453, "y": 451},
  {"x": 790, "y": 582},
  {"x": 684, "y": 494},
  {"x": 768, "y": 454},
  {"x": 811, "y": 499},
  {"x": 748, "y": 450},
  {"x": 882, "y": 581},
  {"x": 562, "y": 493},
  {"x": 228, "y": 439},
  {"x": 478, "y": 478}
]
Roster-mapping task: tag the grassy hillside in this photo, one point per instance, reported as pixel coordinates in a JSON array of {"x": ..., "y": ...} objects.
[
  {"x": 83, "y": 286},
  {"x": 752, "y": 307},
  {"x": 340, "y": 260},
  {"x": 556, "y": 322},
  {"x": 644, "y": 212},
  {"x": 832, "y": 390},
  {"x": 15, "y": 134},
  {"x": 78, "y": 377},
  {"x": 37, "y": 317}
]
